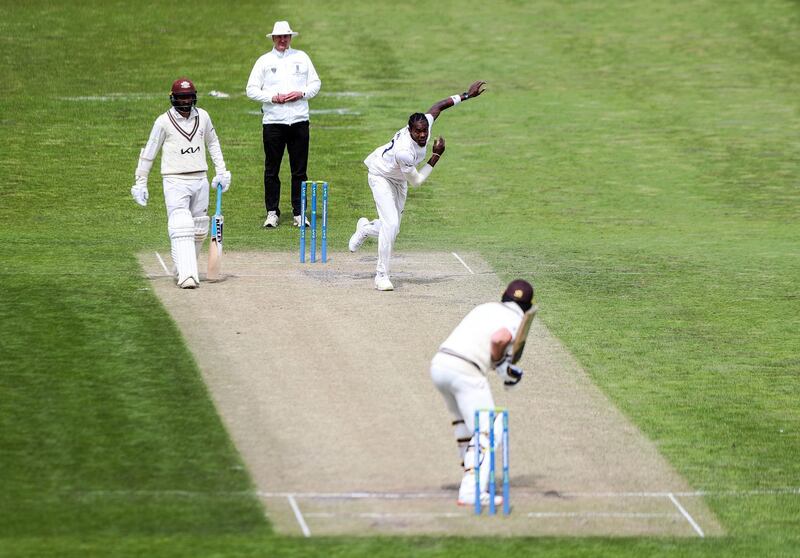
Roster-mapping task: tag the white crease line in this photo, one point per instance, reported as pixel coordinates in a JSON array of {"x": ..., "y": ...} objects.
[
  {"x": 540, "y": 515},
  {"x": 163, "y": 265},
  {"x": 463, "y": 263},
  {"x": 357, "y": 495},
  {"x": 529, "y": 494},
  {"x": 376, "y": 515},
  {"x": 299, "y": 516},
  {"x": 688, "y": 517},
  {"x": 634, "y": 515}
]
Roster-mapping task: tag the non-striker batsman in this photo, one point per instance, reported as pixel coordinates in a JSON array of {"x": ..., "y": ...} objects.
[{"x": 183, "y": 134}]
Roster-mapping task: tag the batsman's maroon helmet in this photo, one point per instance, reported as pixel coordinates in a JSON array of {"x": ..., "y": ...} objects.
[
  {"x": 183, "y": 95},
  {"x": 521, "y": 292}
]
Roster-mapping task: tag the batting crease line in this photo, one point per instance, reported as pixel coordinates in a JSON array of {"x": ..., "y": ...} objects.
[
  {"x": 463, "y": 263},
  {"x": 416, "y": 495},
  {"x": 688, "y": 517},
  {"x": 299, "y": 515},
  {"x": 376, "y": 515}
]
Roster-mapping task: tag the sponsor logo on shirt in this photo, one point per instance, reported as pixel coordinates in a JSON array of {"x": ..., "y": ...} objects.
[{"x": 190, "y": 150}]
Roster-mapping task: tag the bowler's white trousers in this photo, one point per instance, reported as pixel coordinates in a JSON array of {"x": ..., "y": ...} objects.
[{"x": 390, "y": 199}]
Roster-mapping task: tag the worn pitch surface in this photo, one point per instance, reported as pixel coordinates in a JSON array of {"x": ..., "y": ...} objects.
[{"x": 323, "y": 385}]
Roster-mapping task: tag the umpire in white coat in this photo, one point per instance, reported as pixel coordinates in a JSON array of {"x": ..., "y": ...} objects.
[
  {"x": 480, "y": 343},
  {"x": 283, "y": 80},
  {"x": 182, "y": 134}
]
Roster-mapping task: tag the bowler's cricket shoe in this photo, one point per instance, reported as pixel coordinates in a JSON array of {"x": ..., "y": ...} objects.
[
  {"x": 359, "y": 236},
  {"x": 382, "y": 283}
]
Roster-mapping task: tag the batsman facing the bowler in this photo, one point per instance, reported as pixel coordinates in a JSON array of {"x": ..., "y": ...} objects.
[
  {"x": 482, "y": 341},
  {"x": 391, "y": 167},
  {"x": 184, "y": 132}
]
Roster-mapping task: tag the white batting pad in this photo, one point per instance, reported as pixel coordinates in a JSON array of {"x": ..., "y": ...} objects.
[
  {"x": 200, "y": 233},
  {"x": 181, "y": 227}
]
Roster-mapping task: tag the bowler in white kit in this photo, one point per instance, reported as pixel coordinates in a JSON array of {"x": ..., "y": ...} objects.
[
  {"x": 183, "y": 134},
  {"x": 391, "y": 167}
]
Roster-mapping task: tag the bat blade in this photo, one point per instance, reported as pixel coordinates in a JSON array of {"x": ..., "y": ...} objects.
[
  {"x": 522, "y": 334},
  {"x": 215, "y": 246}
]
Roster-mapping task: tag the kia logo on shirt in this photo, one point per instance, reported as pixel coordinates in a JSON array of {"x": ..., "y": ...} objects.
[{"x": 190, "y": 150}]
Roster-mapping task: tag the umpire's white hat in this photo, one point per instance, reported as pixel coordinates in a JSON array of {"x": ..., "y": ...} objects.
[{"x": 281, "y": 28}]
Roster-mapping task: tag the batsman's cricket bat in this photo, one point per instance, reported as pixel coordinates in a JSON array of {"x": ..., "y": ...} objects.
[
  {"x": 522, "y": 334},
  {"x": 215, "y": 246}
]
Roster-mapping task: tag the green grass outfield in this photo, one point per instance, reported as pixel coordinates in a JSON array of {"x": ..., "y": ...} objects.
[{"x": 637, "y": 160}]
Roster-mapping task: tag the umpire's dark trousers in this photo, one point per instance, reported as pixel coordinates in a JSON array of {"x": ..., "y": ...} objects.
[{"x": 277, "y": 138}]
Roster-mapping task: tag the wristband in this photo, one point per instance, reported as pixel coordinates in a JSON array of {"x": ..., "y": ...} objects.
[{"x": 456, "y": 99}]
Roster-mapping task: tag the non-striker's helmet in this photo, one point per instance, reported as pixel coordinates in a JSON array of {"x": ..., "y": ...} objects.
[{"x": 183, "y": 95}]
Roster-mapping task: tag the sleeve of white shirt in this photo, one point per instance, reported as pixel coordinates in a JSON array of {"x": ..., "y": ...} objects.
[
  {"x": 214, "y": 149},
  {"x": 405, "y": 161},
  {"x": 148, "y": 154},
  {"x": 255, "y": 84},
  {"x": 313, "y": 82}
]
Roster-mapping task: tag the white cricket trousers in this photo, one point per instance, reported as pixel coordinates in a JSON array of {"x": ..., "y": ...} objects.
[
  {"x": 186, "y": 192},
  {"x": 463, "y": 388},
  {"x": 390, "y": 199}
]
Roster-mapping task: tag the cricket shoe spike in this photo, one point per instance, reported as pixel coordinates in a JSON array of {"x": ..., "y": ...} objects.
[{"x": 359, "y": 236}]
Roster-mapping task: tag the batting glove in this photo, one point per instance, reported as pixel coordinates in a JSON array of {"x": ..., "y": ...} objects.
[
  {"x": 509, "y": 373},
  {"x": 139, "y": 191},
  {"x": 222, "y": 179}
]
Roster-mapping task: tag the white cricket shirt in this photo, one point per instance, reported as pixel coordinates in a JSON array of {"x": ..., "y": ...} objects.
[
  {"x": 283, "y": 72},
  {"x": 183, "y": 141},
  {"x": 472, "y": 338},
  {"x": 399, "y": 155}
]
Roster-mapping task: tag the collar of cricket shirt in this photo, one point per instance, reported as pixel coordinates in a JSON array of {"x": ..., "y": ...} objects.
[{"x": 192, "y": 114}]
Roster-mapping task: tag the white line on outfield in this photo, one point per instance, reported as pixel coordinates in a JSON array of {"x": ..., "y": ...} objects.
[
  {"x": 163, "y": 265},
  {"x": 463, "y": 263},
  {"x": 688, "y": 517},
  {"x": 298, "y": 514}
]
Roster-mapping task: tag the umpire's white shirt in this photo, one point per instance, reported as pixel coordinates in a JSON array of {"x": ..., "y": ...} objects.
[
  {"x": 391, "y": 160},
  {"x": 283, "y": 72},
  {"x": 471, "y": 339},
  {"x": 184, "y": 141}
]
